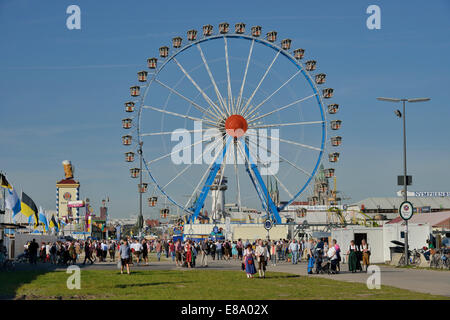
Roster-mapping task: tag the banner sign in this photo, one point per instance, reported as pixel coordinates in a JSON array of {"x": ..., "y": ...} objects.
[
  {"x": 424, "y": 194},
  {"x": 75, "y": 204}
]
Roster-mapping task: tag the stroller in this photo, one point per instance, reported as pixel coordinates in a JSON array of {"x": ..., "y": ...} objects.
[{"x": 322, "y": 263}]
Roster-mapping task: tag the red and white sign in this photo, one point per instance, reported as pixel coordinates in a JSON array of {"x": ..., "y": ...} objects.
[{"x": 75, "y": 204}]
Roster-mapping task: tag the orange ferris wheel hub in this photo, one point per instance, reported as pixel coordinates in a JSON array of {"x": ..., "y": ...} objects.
[{"x": 236, "y": 125}]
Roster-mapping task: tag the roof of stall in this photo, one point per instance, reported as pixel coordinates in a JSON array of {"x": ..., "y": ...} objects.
[
  {"x": 394, "y": 202},
  {"x": 434, "y": 219}
]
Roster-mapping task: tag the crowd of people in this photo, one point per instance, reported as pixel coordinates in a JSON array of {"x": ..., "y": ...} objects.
[{"x": 254, "y": 256}]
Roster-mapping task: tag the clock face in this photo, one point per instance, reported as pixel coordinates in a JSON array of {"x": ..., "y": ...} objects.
[
  {"x": 406, "y": 210},
  {"x": 268, "y": 224}
]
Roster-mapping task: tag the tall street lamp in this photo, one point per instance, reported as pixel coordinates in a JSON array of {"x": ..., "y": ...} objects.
[{"x": 405, "y": 195}]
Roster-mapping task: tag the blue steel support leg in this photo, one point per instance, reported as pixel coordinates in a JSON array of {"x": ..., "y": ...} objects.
[
  {"x": 207, "y": 186},
  {"x": 273, "y": 210}
]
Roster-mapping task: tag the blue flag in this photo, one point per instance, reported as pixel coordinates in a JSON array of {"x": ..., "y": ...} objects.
[
  {"x": 43, "y": 219},
  {"x": 12, "y": 202}
]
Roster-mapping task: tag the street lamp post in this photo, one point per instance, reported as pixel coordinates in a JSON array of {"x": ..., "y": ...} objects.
[
  {"x": 405, "y": 184},
  {"x": 140, "y": 217}
]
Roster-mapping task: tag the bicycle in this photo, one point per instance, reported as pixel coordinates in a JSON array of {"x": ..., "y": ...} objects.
[{"x": 7, "y": 265}]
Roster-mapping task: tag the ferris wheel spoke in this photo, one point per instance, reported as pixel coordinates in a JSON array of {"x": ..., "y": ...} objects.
[
  {"x": 287, "y": 141},
  {"x": 271, "y": 95},
  {"x": 188, "y": 166},
  {"x": 216, "y": 89},
  {"x": 281, "y": 108},
  {"x": 284, "y": 159},
  {"x": 237, "y": 176},
  {"x": 274, "y": 175},
  {"x": 285, "y": 124},
  {"x": 214, "y": 116},
  {"x": 205, "y": 96},
  {"x": 238, "y": 102},
  {"x": 230, "y": 94},
  {"x": 184, "y": 148},
  {"x": 244, "y": 110},
  {"x": 203, "y": 177},
  {"x": 179, "y": 115},
  {"x": 167, "y": 132}
]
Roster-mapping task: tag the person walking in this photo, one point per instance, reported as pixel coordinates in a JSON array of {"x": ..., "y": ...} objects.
[
  {"x": 212, "y": 250},
  {"x": 158, "y": 250},
  {"x": 234, "y": 251},
  {"x": 178, "y": 253},
  {"x": 33, "y": 251},
  {"x": 273, "y": 253},
  {"x": 262, "y": 255},
  {"x": 365, "y": 249},
  {"x": 144, "y": 251},
  {"x": 112, "y": 250},
  {"x": 249, "y": 261},
  {"x": 87, "y": 252},
  {"x": 219, "y": 251},
  {"x": 125, "y": 254},
  {"x": 294, "y": 248},
  {"x": 240, "y": 249},
  {"x": 188, "y": 251},
  {"x": 172, "y": 250},
  {"x": 333, "y": 256},
  {"x": 204, "y": 251},
  {"x": 166, "y": 248},
  {"x": 352, "y": 257}
]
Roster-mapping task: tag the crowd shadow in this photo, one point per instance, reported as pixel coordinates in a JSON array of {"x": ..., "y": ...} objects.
[{"x": 22, "y": 274}]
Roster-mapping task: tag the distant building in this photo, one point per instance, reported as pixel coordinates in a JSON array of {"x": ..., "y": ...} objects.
[{"x": 391, "y": 204}]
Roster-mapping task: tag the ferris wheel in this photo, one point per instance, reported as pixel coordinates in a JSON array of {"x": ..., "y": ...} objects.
[{"x": 230, "y": 108}]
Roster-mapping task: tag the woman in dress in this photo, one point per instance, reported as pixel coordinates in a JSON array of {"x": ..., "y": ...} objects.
[
  {"x": 352, "y": 257},
  {"x": 249, "y": 261},
  {"x": 234, "y": 251},
  {"x": 188, "y": 249}
]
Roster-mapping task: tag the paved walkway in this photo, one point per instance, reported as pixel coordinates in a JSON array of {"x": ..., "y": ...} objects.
[{"x": 426, "y": 281}]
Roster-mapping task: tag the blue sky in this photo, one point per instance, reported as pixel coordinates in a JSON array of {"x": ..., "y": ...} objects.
[{"x": 62, "y": 91}]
